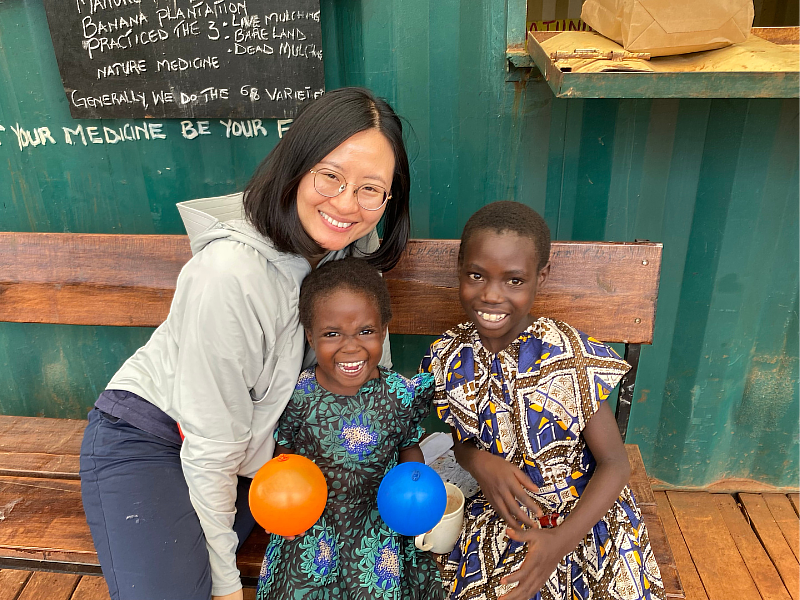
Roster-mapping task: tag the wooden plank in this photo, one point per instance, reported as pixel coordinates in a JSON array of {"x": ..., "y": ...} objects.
[
  {"x": 692, "y": 585},
  {"x": 250, "y": 555},
  {"x": 606, "y": 289},
  {"x": 52, "y": 586},
  {"x": 773, "y": 541},
  {"x": 41, "y": 435},
  {"x": 44, "y": 520},
  {"x": 600, "y": 288},
  {"x": 795, "y": 500},
  {"x": 65, "y": 278},
  {"x": 639, "y": 482},
  {"x": 40, "y": 447},
  {"x": 51, "y": 466},
  {"x": 778, "y": 35},
  {"x": 12, "y": 582},
  {"x": 719, "y": 564},
  {"x": 756, "y": 68},
  {"x": 91, "y": 588},
  {"x": 761, "y": 569},
  {"x": 662, "y": 550},
  {"x": 249, "y": 594},
  {"x": 784, "y": 515}
]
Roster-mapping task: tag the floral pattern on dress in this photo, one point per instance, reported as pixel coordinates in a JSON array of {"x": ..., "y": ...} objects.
[
  {"x": 529, "y": 404},
  {"x": 350, "y": 553},
  {"x": 320, "y": 558},
  {"x": 380, "y": 565},
  {"x": 357, "y": 436},
  {"x": 267, "y": 573}
]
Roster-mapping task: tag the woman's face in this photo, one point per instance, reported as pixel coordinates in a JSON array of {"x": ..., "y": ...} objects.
[{"x": 366, "y": 157}]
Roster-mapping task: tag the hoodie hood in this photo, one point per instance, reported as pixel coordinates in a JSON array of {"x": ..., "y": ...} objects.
[{"x": 210, "y": 219}]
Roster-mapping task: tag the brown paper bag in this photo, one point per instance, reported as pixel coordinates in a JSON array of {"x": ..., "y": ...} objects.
[{"x": 663, "y": 27}]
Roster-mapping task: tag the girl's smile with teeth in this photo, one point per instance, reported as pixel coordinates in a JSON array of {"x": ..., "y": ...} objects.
[
  {"x": 347, "y": 336},
  {"x": 351, "y": 368},
  {"x": 498, "y": 278},
  {"x": 492, "y": 317}
]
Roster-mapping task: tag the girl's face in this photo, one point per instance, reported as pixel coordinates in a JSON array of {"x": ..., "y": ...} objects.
[
  {"x": 498, "y": 281},
  {"x": 347, "y": 335},
  {"x": 366, "y": 157}
]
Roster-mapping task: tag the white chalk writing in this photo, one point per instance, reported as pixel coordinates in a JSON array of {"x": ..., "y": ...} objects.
[
  {"x": 129, "y": 67},
  {"x": 250, "y": 128},
  {"x": 81, "y": 135},
  {"x": 112, "y": 99},
  {"x": 40, "y": 135}
]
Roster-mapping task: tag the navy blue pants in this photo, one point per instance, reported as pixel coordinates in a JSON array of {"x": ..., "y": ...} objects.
[{"x": 146, "y": 532}]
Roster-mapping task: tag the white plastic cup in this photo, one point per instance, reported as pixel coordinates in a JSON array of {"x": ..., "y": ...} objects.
[{"x": 442, "y": 538}]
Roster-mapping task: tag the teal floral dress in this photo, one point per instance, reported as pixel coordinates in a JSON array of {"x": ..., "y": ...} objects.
[{"x": 350, "y": 553}]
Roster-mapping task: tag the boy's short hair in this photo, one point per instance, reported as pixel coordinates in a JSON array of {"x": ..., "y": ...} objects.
[
  {"x": 351, "y": 274},
  {"x": 509, "y": 216}
]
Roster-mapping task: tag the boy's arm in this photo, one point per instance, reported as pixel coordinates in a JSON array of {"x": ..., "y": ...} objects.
[
  {"x": 546, "y": 547},
  {"x": 502, "y": 483}
]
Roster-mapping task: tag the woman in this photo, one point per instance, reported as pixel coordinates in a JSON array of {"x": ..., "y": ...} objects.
[{"x": 190, "y": 416}]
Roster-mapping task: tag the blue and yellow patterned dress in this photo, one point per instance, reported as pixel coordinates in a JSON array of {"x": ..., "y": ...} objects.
[
  {"x": 529, "y": 404},
  {"x": 350, "y": 553}
]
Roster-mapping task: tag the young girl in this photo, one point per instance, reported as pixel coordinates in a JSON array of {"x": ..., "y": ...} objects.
[
  {"x": 355, "y": 420},
  {"x": 525, "y": 400}
]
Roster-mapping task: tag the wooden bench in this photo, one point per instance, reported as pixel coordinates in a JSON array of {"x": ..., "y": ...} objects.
[{"x": 606, "y": 289}]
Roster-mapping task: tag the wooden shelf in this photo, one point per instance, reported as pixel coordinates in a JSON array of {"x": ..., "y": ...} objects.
[{"x": 765, "y": 66}]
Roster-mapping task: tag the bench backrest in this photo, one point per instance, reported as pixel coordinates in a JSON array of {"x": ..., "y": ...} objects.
[{"x": 606, "y": 289}]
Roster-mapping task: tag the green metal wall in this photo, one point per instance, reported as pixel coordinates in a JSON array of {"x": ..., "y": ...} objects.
[{"x": 715, "y": 180}]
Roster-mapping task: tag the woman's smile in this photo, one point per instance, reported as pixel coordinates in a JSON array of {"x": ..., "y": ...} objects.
[{"x": 336, "y": 224}]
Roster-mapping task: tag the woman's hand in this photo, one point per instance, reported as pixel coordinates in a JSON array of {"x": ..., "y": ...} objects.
[
  {"x": 237, "y": 595},
  {"x": 545, "y": 551},
  {"x": 503, "y": 484}
]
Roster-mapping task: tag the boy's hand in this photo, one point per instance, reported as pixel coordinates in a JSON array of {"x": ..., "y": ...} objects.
[
  {"x": 504, "y": 486},
  {"x": 545, "y": 551}
]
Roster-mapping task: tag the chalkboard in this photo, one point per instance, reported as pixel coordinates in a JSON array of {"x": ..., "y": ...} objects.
[{"x": 187, "y": 58}]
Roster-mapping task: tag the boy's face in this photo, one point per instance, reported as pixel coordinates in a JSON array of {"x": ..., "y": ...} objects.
[
  {"x": 347, "y": 336},
  {"x": 498, "y": 281}
]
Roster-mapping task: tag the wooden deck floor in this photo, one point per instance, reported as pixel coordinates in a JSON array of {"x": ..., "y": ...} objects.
[{"x": 727, "y": 547}]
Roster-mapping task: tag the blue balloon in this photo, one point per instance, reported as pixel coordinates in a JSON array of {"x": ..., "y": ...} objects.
[{"x": 411, "y": 498}]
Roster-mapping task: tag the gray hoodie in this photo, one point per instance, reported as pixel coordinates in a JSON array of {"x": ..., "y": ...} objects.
[{"x": 225, "y": 361}]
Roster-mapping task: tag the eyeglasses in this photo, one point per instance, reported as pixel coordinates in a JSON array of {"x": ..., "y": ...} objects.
[{"x": 330, "y": 184}]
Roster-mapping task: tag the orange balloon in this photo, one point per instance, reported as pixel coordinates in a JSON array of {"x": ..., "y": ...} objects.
[{"x": 288, "y": 495}]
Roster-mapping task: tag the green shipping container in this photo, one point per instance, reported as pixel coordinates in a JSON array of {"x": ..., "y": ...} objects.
[{"x": 715, "y": 180}]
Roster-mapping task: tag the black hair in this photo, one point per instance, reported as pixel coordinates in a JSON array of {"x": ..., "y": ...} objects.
[
  {"x": 509, "y": 216},
  {"x": 270, "y": 198},
  {"x": 350, "y": 273}
]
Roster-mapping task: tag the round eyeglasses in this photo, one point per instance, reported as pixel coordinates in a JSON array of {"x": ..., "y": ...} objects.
[{"x": 368, "y": 195}]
